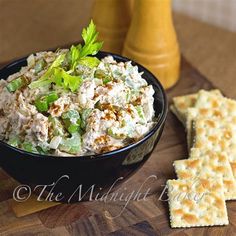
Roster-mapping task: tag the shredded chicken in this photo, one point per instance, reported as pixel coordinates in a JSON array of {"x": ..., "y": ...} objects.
[{"x": 112, "y": 105}]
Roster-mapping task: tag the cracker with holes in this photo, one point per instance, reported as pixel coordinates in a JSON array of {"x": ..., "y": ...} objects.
[
  {"x": 208, "y": 164},
  {"x": 218, "y": 136},
  {"x": 182, "y": 103},
  {"x": 210, "y": 105},
  {"x": 196, "y": 202},
  {"x": 213, "y": 101},
  {"x": 196, "y": 113}
]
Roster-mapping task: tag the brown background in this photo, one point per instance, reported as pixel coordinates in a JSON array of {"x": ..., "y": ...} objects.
[{"x": 32, "y": 25}]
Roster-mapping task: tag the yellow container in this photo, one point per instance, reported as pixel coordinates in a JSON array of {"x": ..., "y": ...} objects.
[
  {"x": 112, "y": 18},
  {"x": 151, "y": 40}
]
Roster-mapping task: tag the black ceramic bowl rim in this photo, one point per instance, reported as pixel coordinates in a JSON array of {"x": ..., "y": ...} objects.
[{"x": 160, "y": 121}]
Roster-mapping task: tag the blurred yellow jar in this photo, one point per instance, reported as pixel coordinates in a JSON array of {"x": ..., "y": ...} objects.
[
  {"x": 112, "y": 18},
  {"x": 152, "y": 42}
]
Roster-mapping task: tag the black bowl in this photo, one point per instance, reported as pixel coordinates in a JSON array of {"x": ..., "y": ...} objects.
[{"x": 96, "y": 172}]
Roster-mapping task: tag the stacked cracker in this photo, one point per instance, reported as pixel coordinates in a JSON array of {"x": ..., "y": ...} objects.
[{"x": 208, "y": 178}]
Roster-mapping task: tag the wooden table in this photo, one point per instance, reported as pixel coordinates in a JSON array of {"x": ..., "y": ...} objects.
[{"x": 145, "y": 217}]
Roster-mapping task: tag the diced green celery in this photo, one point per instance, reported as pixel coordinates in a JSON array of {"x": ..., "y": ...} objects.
[
  {"x": 100, "y": 74},
  {"x": 84, "y": 116},
  {"x": 73, "y": 128},
  {"x": 42, "y": 103},
  {"x": 72, "y": 121},
  {"x": 17, "y": 84},
  {"x": 14, "y": 141},
  {"x": 71, "y": 114},
  {"x": 40, "y": 83},
  {"x": 129, "y": 82},
  {"x": 57, "y": 126},
  {"x": 106, "y": 80},
  {"x": 128, "y": 95},
  {"x": 71, "y": 145},
  {"x": 70, "y": 127},
  {"x": 40, "y": 65},
  {"x": 51, "y": 97},
  {"x": 42, "y": 149},
  {"x": 123, "y": 123},
  {"x": 140, "y": 112},
  {"x": 27, "y": 146},
  {"x": 115, "y": 135}
]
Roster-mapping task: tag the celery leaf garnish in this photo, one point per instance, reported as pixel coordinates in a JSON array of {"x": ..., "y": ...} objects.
[{"x": 67, "y": 78}]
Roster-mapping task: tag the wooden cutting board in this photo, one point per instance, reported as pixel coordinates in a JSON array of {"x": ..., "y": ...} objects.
[{"x": 149, "y": 216}]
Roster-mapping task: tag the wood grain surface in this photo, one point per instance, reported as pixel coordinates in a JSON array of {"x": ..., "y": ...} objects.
[{"x": 148, "y": 216}]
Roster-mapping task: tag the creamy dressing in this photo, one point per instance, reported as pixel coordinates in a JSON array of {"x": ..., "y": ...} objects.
[{"x": 120, "y": 108}]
